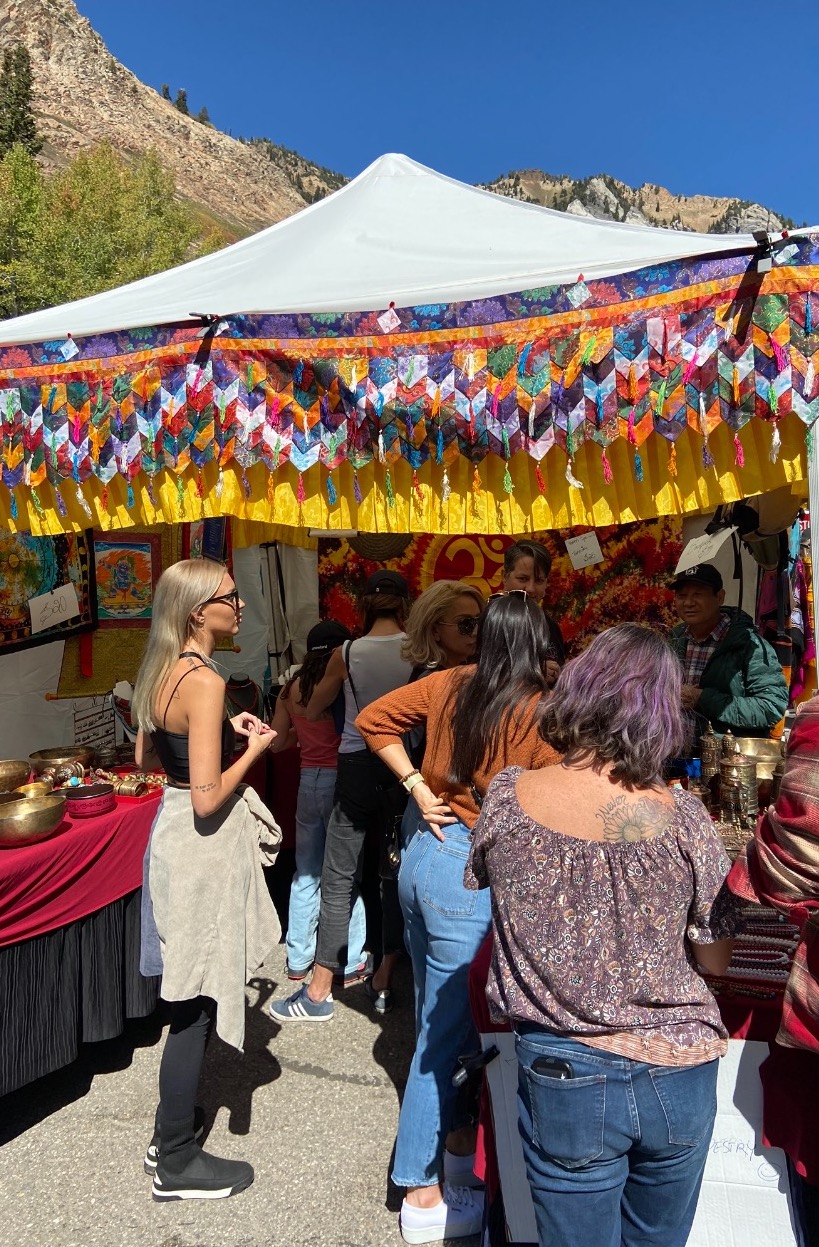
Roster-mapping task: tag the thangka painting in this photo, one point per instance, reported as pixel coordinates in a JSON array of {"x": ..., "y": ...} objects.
[
  {"x": 630, "y": 585},
  {"x": 31, "y": 566},
  {"x": 127, "y": 570}
]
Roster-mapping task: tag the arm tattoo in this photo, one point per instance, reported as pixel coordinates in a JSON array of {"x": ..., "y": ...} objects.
[
  {"x": 638, "y": 820},
  {"x": 205, "y": 787}
]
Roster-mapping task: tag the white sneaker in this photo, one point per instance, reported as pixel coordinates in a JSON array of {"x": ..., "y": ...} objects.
[
  {"x": 460, "y": 1170},
  {"x": 459, "y": 1214}
]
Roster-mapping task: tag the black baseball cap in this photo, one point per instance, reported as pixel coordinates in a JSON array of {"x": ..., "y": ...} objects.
[
  {"x": 700, "y": 573},
  {"x": 386, "y": 581},
  {"x": 324, "y": 636}
]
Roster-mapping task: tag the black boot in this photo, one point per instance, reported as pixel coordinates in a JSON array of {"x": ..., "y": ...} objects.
[
  {"x": 152, "y": 1154},
  {"x": 184, "y": 1171}
]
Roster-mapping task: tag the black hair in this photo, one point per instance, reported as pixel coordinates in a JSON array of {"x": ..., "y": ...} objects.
[
  {"x": 308, "y": 675},
  {"x": 531, "y": 550},
  {"x": 513, "y": 641},
  {"x": 379, "y": 605}
]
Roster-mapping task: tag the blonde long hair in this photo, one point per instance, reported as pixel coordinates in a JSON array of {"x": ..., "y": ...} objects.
[
  {"x": 180, "y": 590},
  {"x": 420, "y": 648}
]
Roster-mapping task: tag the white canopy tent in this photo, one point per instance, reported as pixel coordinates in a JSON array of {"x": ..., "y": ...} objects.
[{"x": 399, "y": 233}]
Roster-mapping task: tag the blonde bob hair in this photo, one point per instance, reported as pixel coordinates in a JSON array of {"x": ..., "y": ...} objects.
[
  {"x": 421, "y": 648},
  {"x": 179, "y": 591}
]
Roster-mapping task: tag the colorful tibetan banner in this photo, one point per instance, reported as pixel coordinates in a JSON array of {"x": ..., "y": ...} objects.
[{"x": 661, "y": 391}]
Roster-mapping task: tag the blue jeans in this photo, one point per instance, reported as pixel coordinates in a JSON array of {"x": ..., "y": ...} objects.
[
  {"x": 313, "y": 809},
  {"x": 444, "y": 925},
  {"x": 614, "y": 1155}
]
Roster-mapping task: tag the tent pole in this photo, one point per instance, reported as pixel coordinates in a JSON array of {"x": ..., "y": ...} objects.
[{"x": 813, "y": 505}]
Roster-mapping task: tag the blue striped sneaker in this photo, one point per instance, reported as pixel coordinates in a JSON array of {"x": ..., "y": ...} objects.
[{"x": 300, "y": 1008}]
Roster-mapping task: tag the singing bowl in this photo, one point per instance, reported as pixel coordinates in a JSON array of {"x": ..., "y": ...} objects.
[
  {"x": 45, "y": 758},
  {"x": 766, "y": 753},
  {"x": 13, "y": 774},
  {"x": 30, "y": 819},
  {"x": 37, "y": 788}
]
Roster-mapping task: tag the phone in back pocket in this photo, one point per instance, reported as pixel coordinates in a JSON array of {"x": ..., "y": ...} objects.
[{"x": 552, "y": 1067}]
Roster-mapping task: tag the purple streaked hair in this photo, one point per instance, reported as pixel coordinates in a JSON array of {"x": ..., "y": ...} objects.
[{"x": 619, "y": 702}]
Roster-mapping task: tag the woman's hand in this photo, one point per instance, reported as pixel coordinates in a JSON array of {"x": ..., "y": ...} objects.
[
  {"x": 552, "y": 672},
  {"x": 259, "y": 740},
  {"x": 245, "y": 723},
  {"x": 434, "y": 810}
]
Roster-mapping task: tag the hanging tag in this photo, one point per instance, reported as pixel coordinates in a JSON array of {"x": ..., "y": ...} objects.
[
  {"x": 703, "y": 549},
  {"x": 50, "y": 609},
  {"x": 389, "y": 320},
  {"x": 578, "y": 294},
  {"x": 69, "y": 349},
  {"x": 584, "y": 551}
]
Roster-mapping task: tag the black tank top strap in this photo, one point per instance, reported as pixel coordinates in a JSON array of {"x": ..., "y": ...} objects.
[
  {"x": 179, "y": 681},
  {"x": 190, "y": 653}
]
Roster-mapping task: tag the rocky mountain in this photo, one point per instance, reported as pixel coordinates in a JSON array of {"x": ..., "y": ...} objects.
[
  {"x": 84, "y": 96},
  {"x": 606, "y": 198}
]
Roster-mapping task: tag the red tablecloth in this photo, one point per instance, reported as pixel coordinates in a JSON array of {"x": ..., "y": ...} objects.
[{"x": 91, "y": 863}]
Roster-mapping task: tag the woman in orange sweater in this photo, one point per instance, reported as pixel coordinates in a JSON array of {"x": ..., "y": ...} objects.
[{"x": 479, "y": 720}]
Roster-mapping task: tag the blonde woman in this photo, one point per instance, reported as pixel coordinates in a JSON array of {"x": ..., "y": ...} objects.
[
  {"x": 207, "y": 911},
  {"x": 442, "y": 627}
]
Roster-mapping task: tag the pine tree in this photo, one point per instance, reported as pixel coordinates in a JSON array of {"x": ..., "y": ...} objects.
[
  {"x": 165, "y": 92},
  {"x": 204, "y": 117},
  {"x": 181, "y": 101},
  {"x": 17, "y": 123}
]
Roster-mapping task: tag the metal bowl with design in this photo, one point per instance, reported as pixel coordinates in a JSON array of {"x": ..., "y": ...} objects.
[
  {"x": 65, "y": 755},
  {"x": 13, "y": 774},
  {"x": 29, "y": 819},
  {"x": 765, "y": 752},
  {"x": 86, "y": 800}
]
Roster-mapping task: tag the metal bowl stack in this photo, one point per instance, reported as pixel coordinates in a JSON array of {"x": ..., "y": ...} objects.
[
  {"x": 29, "y": 819},
  {"x": 65, "y": 756}
]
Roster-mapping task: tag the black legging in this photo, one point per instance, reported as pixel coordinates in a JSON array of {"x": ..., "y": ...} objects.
[{"x": 182, "y": 1056}]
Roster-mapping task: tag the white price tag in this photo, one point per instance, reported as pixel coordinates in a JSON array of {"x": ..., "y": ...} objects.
[
  {"x": 69, "y": 349},
  {"x": 702, "y": 549},
  {"x": 583, "y": 551},
  {"x": 388, "y": 320},
  {"x": 50, "y": 609}
]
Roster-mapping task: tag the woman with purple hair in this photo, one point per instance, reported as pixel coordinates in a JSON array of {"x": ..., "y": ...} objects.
[{"x": 608, "y": 899}]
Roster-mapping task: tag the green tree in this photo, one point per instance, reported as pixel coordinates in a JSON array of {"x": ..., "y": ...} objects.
[
  {"x": 165, "y": 92},
  {"x": 181, "y": 101},
  {"x": 17, "y": 124},
  {"x": 204, "y": 116},
  {"x": 97, "y": 224}
]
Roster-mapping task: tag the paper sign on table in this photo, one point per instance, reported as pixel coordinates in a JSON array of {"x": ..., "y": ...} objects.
[
  {"x": 583, "y": 551},
  {"x": 703, "y": 549},
  {"x": 50, "y": 609}
]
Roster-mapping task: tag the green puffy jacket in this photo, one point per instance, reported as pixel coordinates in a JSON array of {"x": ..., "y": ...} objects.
[{"x": 743, "y": 687}]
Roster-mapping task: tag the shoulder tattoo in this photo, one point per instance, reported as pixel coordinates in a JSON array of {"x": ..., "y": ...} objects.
[{"x": 625, "y": 820}]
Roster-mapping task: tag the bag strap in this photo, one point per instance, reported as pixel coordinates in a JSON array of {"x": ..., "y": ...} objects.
[
  {"x": 348, "y": 645},
  {"x": 476, "y": 796}
]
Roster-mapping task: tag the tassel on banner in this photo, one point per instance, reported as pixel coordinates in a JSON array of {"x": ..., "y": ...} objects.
[
  {"x": 776, "y": 443},
  {"x": 608, "y": 475},
  {"x": 410, "y": 426},
  {"x": 780, "y": 355},
  {"x": 277, "y": 452},
  {"x": 246, "y": 485},
  {"x": 809, "y": 443},
  {"x": 773, "y": 401},
  {"x": 332, "y": 496},
  {"x": 436, "y": 402},
  {"x": 508, "y": 483},
  {"x": 570, "y": 476},
  {"x": 672, "y": 460},
  {"x": 808, "y": 315},
  {"x": 735, "y": 386},
  {"x": 532, "y": 414},
  {"x": 810, "y": 379},
  {"x": 356, "y": 488},
  {"x": 271, "y": 491},
  {"x": 439, "y": 446},
  {"x": 505, "y": 442},
  {"x": 416, "y": 489},
  {"x": 541, "y": 484},
  {"x": 220, "y": 484},
  {"x": 381, "y": 452},
  {"x": 707, "y": 457},
  {"x": 524, "y": 355},
  {"x": 105, "y": 500},
  {"x": 495, "y": 400},
  {"x": 690, "y": 368},
  {"x": 222, "y": 410},
  {"x": 410, "y": 372},
  {"x": 660, "y": 404},
  {"x": 446, "y": 488},
  {"x": 200, "y": 484},
  {"x": 476, "y": 483},
  {"x": 632, "y": 436},
  {"x": 300, "y": 491},
  {"x": 739, "y": 453},
  {"x": 60, "y": 503},
  {"x": 38, "y": 506},
  {"x": 129, "y": 502},
  {"x": 598, "y": 408},
  {"x": 638, "y": 466},
  {"x": 633, "y": 392},
  {"x": 180, "y": 497},
  {"x": 13, "y": 504},
  {"x": 389, "y": 491},
  {"x": 588, "y": 351},
  {"x": 298, "y": 372},
  {"x": 470, "y": 366}
]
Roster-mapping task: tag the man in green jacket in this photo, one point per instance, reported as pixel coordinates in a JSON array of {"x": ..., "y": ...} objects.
[{"x": 731, "y": 677}]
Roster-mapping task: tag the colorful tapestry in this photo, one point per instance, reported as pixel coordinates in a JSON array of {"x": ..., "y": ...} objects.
[
  {"x": 30, "y": 566},
  {"x": 629, "y": 585},
  {"x": 127, "y": 570},
  {"x": 659, "y": 391}
]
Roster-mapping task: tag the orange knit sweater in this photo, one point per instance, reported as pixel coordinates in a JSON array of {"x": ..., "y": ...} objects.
[{"x": 431, "y": 701}]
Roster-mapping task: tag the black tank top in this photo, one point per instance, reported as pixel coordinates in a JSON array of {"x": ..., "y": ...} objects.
[{"x": 172, "y": 747}]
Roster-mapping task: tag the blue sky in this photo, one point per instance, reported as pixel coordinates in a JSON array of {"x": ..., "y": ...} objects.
[{"x": 715, "y": 98}]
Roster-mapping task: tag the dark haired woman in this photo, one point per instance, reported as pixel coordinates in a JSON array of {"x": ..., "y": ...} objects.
[
  {"x": 479, "y": 720},
  {"x": 607, "y": 900},
  {"x": 318, "y": 741},
  {"x": 526, "y": 566},
  {"x": 365, "y": 669}
]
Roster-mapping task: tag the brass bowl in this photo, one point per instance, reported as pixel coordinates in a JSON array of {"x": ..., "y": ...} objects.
[
  {"x": 6, "y": 797},
  {"x": 30, "y": 819},
  {"x": 44, "y": 759},
  {"x": 37, "y": 788},
  {"x": 766, "y": 753},
  {"x": 13, "y": 774}
]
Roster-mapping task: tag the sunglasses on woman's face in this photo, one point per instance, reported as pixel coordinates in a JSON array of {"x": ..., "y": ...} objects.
[
  {"x": 467, "y": 625},
  {"x": 230, "y": 599}
]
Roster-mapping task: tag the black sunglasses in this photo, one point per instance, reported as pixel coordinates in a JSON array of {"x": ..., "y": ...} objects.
[
  {"x": 230, "y": 599},
  {"x": 466, "y": 624}
]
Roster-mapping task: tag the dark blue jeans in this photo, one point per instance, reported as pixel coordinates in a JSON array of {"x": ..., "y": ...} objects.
[{"x": 614, "y": 1155}]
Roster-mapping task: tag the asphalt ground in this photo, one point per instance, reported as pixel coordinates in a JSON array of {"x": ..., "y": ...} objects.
[{"x": 313, "y": 1107}]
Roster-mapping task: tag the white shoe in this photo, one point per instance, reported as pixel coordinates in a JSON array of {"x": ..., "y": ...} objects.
[
  {"x": 459, "y": 1214},
  {"x": 460, "y": 1170}
]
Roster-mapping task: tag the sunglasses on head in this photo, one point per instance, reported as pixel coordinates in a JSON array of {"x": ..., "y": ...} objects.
[
  {"x": 230, "y": 599},
  {"x": 508, "y": 593}
]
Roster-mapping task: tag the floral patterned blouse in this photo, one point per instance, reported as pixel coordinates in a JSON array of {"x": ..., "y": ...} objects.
[{"x": 590, "y": 936}]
